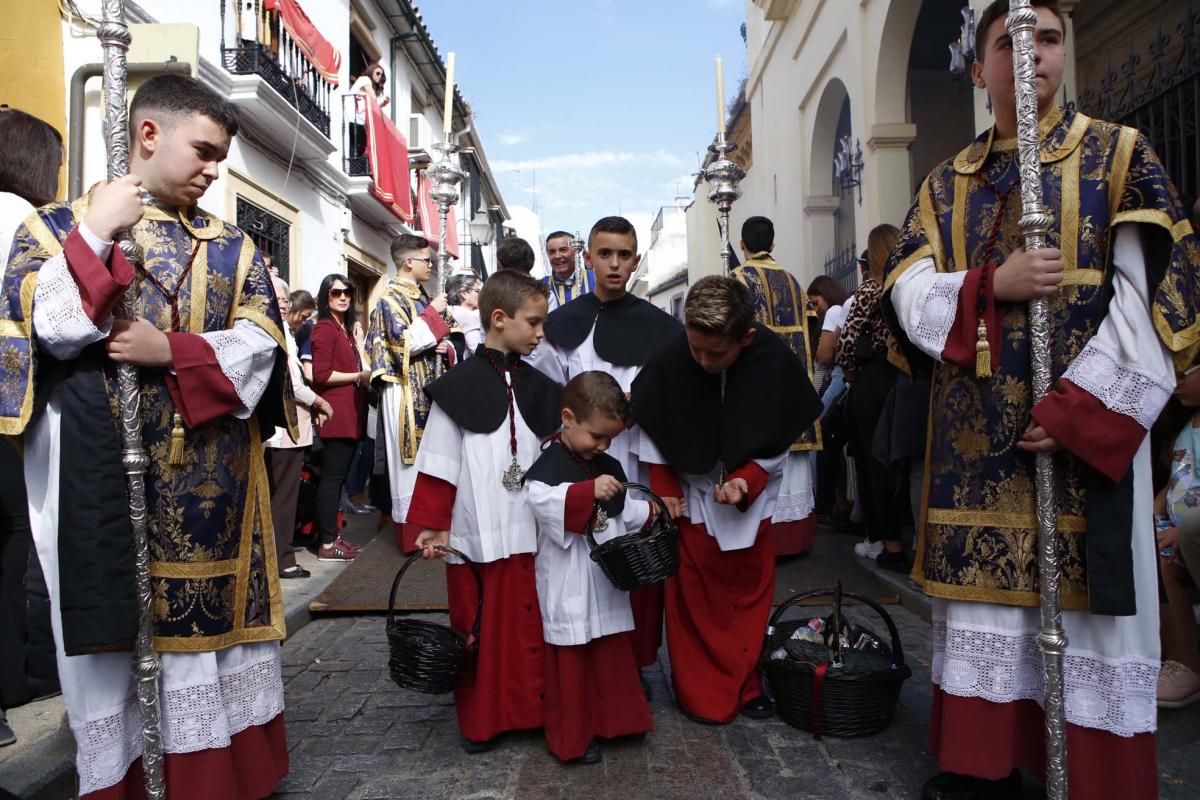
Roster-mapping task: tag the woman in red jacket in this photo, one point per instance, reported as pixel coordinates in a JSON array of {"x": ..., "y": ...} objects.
[{"x": 340, "y": 379}]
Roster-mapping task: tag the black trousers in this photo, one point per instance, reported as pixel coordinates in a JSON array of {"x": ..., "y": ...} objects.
[
  {"x": 882, "y": 503},
  {"x": 283, "y": 474},
  {"x": 336, "y": 455}
]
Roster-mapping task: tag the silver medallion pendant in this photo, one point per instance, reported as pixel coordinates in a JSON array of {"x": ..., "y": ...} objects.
[
  {"x": 513, "y": 477},
  {"x": 601, "y": 522}
]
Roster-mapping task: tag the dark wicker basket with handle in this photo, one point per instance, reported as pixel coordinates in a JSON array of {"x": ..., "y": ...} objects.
[
  {"x": 641, "y": 558},
  {"x": 426, "y": 656},
  {"x": 834, "y": 691}
]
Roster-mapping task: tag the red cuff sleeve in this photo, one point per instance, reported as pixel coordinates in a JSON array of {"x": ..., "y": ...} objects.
[
  {"x": 580, "y": 499},
  {"x": 960, "y": 345},
  {"x": 756, "y": 480},
  {"x": 1103, "y": 439},
  {"x": 435, "y": 322},
  {"x": 199, "y": 388},
  {"x": 432, "y": 503},
  {"x": 99, "y": 288},
  {"x": 664, "y": 482}
]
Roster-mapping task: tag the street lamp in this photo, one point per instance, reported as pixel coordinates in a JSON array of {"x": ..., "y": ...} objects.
[
  {"x": 848, "y": 165},
  {"x": 962, "y": 51}
]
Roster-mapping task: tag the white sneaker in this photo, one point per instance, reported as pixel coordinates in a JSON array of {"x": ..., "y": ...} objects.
[{"x": 868, "y": 549}]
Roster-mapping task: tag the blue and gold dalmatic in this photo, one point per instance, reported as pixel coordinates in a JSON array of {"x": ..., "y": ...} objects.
[
  {"x": 979, "y": 526},
  {"x": 392, "y": 361},
  {"x": 782, "y": 305},
  {"x": 213, "y": 562}
]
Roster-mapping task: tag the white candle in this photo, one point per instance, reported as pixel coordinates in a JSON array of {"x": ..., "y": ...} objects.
[
  {"x": 720, "y": 98},
  {"x": 448, "y": 109}
]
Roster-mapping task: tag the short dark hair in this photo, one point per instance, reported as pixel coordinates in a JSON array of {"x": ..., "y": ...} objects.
[
  {"x": 998, "y": 10},
  {"x": 507, "y": 290},
  {"x": 559, "y": 235},
  {"x": 301, "y": 300},
  {"x": 30, "y": 161},
  {"x": 323, "y": 299},
  {"x": 458, "y": 284},
  {"x": 515, "y": 253},
  {"x": 834, "y": 293},
  {"x": 719, "y": 305},
  {"x": 758, "y": 234},
  {"x": 179, "y": 95},
  {"x": 406, "y": 244},
  {"x": 618, "y": 225},
  {"x": 594, "y": 391}
]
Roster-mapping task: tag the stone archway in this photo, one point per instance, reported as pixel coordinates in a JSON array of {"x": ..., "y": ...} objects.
[{"x": 823, "y": 200}]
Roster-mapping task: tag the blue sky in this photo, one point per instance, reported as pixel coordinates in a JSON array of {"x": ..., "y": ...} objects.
[{"x": 607, "y": 102}]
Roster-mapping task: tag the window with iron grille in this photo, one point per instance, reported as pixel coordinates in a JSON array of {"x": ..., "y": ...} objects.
[{"x": 271, "y": 234}]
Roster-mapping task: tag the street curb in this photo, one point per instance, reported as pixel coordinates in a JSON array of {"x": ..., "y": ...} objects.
[{"x": 911, "y": 597}]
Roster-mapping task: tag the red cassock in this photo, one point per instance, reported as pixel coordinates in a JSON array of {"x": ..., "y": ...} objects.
[
  {"x": 795, "y": 537},
  {"x": 502, "y": 689},
  {"x": 717, "y": 607},
  {"x": 251, "y": 767},
  {"x": 647, "y": 605},
  {"x": 593, "y": 691}
]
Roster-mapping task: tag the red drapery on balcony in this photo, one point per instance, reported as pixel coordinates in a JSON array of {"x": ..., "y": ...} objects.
[
  {"x": 387, "y": 153},
  {"x": 431, "y": 221},
  {"x": 323, "y": 55}
]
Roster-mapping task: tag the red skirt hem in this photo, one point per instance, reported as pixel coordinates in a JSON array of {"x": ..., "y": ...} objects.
[
  {"x": 973, "y": 736},
  {"x": 406, "y": 537},
  {"x": 647, "y": 605},
  {"x": 250, "y": 768},
  {"x": 793, "y": 538},
  {"x": 502, "y": 688}
]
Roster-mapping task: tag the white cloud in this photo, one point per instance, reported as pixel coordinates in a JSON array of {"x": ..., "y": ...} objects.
[
  {"x": 594, "y": 158},
  {"x": 510, "y": 139},
  {"x": 720, "y": 5}
]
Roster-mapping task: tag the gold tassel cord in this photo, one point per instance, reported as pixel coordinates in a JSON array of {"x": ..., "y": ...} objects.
[
  {"x": 175, "y": 455},
  {"x": 983, "y": 353}
]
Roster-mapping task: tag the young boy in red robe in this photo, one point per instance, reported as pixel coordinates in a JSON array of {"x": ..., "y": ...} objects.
[
  {"x": 720, "y": 406},
  {"x": 593, "y": 686},
  {"x": 486, "y": 424}
]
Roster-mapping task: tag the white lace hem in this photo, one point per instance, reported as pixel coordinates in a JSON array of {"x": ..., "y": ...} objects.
[
  {"x": 793, "y": 507},
  {"x": 1111, "y": 694},
  {"x": 245, "y": 355},
  {"x": 938, "y": 311},
  {"x": 1122, "y": 388},
  {"x": 204, "y": 716},
  {"x": 60, "y": 324}
]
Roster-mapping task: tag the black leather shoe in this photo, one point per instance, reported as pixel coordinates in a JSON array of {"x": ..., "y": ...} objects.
[
  {"x": 700, "y": 720},
  {"x": 893, "y": 562},
  {"x": 7, "y": 736},
  {"x": 473, "y": 748},
  {"x": 295, "y": 572},
  {"x": 759, "y": 708},
  {"x": 950, "y": 786},
  {"x": 592, "y": 755}
]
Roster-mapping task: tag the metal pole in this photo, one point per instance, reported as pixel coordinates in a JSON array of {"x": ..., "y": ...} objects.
[
  {"x": 580, "y": 274},
  {"x": 115, "y": 38},
  {"x": 723, "y": 177},
  {"x": 445, "y": 176},
  {"x": 1034, "y": 225}
]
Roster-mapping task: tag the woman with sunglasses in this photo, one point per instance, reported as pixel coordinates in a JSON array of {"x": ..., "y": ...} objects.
[{"x": 341, "y": 380}]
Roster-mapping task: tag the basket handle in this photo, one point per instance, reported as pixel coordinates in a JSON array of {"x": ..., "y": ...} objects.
[
  {"x": 658, "y": 501},
  {"x": 408, "y": 562},
  {"x": 837, "y": 594}
]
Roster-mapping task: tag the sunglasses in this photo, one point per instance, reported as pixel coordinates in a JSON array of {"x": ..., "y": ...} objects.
[
  {"x": 342, "y": 293},
  {"x": 419, "y": 258}
]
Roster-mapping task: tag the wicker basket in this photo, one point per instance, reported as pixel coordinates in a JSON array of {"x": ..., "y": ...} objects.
[
  {"x": 642, "y": 558},
  {"x": 828, "y": 691},
  {"x": 426, "y": 656}
]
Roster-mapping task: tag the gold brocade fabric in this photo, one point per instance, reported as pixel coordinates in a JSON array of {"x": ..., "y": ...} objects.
[{"x": 979, "y": 530}]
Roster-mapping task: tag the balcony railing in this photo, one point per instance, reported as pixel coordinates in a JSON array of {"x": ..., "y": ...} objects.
[
  {"x": 260, "y": 45},
  {"x": 354, "y": 136}
]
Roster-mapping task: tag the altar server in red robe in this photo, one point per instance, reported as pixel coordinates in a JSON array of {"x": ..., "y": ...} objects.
[{"x": 486, "y": 424}]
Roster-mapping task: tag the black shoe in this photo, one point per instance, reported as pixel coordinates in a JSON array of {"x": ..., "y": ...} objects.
[
  {"x": 759, "y": 708},
  {"x": 646, "y": 690},
  {"x": 474, "y": 748},
  {"x": 6, "y": 733},
  {"x": 894, "y": 562},
  {"x": 592, "y": 755},
  {"x": 950, "y": 786},
  {"x": 295, "y": 572},
  {"x": 699, "y": 720}
]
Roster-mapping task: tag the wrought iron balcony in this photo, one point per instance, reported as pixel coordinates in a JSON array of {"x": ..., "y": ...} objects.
[
  {"x": 262, "y": 46},
  {"x": 354, "y": 136}
]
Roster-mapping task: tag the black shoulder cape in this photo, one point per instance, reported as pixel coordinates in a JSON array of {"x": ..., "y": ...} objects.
[
  {"x": 555, "y": 466},
  {"x": 474, "y": 395},
  {"x": 629, "y": 331},
  {"x": 769, "y": 401}
]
